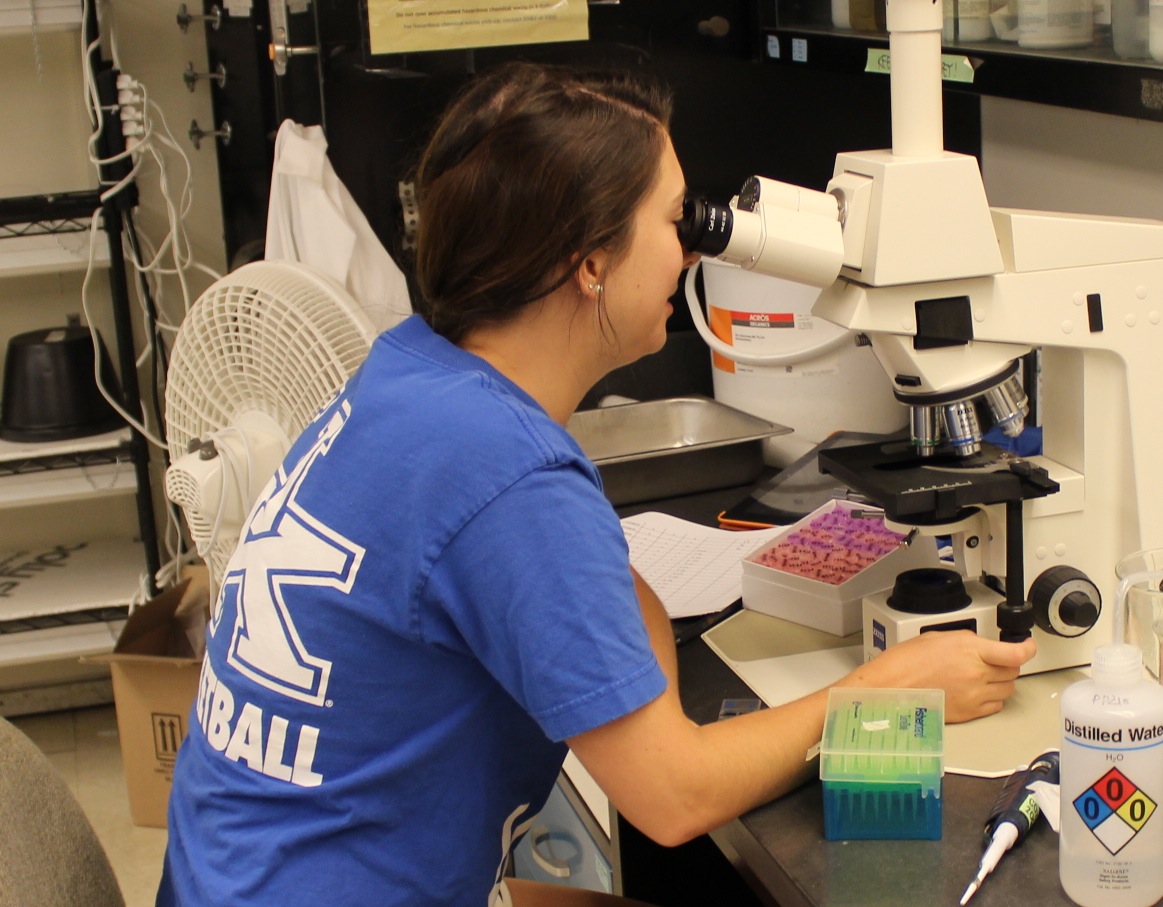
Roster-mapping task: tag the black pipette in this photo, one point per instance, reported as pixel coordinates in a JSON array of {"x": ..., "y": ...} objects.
[{"x": 1013, "y": 815}]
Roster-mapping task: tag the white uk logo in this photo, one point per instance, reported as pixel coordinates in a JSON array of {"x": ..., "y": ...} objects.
[{"x": 284, "y": 547}]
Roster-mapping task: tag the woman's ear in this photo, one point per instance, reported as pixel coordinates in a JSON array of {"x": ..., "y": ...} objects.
[{"x": 590, "y": 274}]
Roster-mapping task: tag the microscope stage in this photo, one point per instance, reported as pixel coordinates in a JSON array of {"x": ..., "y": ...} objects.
[{"x": 935, "y": 489}]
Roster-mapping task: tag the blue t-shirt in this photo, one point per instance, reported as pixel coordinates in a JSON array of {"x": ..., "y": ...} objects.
[{"x": 429, "y": 597}]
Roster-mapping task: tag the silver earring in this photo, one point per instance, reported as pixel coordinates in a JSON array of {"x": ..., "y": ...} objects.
[{"x": 597, "y": 287}]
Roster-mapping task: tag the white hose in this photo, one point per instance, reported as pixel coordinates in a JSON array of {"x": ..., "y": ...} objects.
[{"x": 757, "y": 359}]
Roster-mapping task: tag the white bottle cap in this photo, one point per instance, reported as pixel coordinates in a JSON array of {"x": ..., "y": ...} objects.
[{"x": 1118, "y": 665}]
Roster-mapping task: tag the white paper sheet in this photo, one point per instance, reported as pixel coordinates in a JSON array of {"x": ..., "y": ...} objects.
[{"x": 694, "y": 569}]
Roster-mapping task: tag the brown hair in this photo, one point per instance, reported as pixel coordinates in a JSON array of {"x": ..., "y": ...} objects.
[{"x": 530, "y": 170}]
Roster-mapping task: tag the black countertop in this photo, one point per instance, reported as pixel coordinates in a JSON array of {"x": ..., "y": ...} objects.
[{"x": 779, "y": 848}]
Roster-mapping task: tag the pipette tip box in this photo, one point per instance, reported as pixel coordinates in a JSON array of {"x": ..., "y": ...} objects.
[
  {"x": 818, "y": 570},
  {"x": 881, "y": 764}
]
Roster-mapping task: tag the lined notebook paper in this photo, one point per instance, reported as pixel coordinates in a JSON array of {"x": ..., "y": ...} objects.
[{"x": 694, "y": 569}]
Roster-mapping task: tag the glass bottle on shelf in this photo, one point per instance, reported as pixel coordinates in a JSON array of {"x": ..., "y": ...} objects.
[
  {"x": 1130, "y": 20},
  {"x": 1004, "y": 18},
  {"x": 1055, "y": 23},
  {"x": 1155, "y": 30},
  {"x": 1103, "y": 17},
  {"x": 867, "y": 15},
  {"x": 840, "y": 16},
  {"x": 967, "y": 20}
]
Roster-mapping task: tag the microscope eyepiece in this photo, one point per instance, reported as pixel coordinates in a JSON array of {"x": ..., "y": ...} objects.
[
  {"x": 794, "y": 234},
  {"x": 705, "y": 226}
]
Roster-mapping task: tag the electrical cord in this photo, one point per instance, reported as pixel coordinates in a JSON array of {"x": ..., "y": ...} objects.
[
  {"x": 110, "y": 398},
  {"x": 173, "y": 541},
  {"x": 149, "y": 147}
]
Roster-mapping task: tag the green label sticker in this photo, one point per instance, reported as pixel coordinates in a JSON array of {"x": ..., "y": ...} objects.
[
  {"x": 953, "y": 68},
  {"x": 878, "y": 60}
]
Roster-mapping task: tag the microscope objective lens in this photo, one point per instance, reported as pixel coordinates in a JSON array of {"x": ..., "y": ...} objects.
[{"x": 962, "y": 427}]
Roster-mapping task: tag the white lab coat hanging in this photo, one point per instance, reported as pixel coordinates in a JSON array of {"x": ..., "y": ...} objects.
[{"x": 313, "y": 219}]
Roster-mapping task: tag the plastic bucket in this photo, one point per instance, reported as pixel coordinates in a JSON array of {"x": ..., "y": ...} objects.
[{"x": 817, "y": 381}]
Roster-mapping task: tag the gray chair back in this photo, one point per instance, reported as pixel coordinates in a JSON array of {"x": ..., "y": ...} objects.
[{"x": 49, "y": 854}]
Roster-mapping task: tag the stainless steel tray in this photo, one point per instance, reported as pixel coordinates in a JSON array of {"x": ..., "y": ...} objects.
[{"x": 678, "y": 445}]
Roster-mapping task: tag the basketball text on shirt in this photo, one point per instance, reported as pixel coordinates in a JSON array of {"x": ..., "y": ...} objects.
[{"x": 283, "y": 548}]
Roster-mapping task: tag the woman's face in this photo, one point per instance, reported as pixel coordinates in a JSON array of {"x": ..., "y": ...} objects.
[{"x": 638, "y": 288}]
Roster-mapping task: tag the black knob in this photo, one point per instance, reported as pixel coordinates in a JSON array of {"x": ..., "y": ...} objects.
[
  {"x": 1066, "y": 602},
  {"x": 1077, "y": 610},
  {"x": 1015, "y": 621}
]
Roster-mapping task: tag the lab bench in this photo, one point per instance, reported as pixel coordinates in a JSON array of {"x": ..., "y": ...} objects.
[{"x": 777, "y": 854}]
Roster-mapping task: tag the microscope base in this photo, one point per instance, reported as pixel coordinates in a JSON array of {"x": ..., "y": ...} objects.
[{"x": 886, "y": 626}]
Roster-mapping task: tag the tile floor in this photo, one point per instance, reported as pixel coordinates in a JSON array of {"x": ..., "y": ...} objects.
[{"x": 84, "y": 747}]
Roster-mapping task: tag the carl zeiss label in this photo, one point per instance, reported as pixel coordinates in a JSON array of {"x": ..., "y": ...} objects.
[{"x": 1114, "y": 809}]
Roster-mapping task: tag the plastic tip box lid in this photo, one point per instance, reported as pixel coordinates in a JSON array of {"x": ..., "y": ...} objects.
[{"x": 876, "y": 736}]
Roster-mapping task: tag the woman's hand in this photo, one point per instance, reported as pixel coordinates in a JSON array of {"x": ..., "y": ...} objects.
[{"x": 977, "y": 674}]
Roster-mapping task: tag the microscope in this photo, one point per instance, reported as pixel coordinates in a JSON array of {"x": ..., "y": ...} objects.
[{"x": 971, "y": 310}]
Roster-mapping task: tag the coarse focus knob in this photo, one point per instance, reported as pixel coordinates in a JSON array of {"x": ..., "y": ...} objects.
[
  {"x": 1015, "y": 620},
  {"x": 1066, "y": 602}
]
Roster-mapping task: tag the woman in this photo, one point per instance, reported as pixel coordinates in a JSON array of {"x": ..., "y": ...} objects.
[{"x": 432, "y": 597}]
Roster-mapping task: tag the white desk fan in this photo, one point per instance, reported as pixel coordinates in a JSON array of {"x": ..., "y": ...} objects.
[{"x": 257, "y": 356}]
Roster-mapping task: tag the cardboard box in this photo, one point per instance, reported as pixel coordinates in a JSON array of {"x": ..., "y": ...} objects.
[
  {"x": 155, "y": 671},
  {"x": 834, "y": 607}
]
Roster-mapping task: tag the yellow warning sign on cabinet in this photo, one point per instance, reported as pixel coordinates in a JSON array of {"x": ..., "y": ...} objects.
[{"x": 407, "y": 26}]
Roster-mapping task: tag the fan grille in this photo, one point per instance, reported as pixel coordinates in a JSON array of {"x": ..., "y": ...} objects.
[
  {"x": 270, "y": 336},
  {"x": 274, "y": 338}
]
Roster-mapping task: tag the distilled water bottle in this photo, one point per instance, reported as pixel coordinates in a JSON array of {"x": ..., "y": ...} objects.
[{"x": 1112, "y": 784}]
